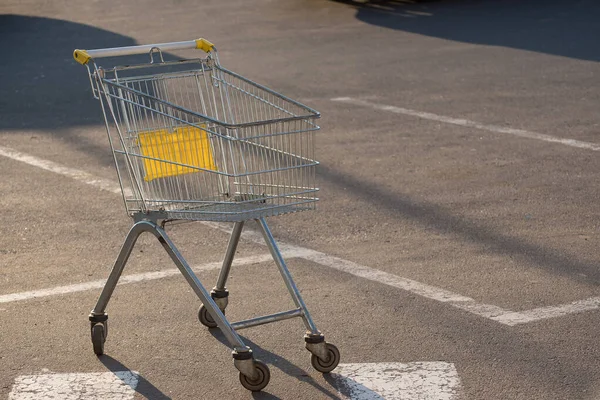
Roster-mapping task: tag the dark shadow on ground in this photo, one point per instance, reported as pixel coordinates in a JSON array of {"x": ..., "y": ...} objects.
[
  {"x": 275, "y": 360},
  {"x": 445, "y": 222},
  {"x": 557, "y": 27},
  {"x": 144, "y": 387},
  {"x": 41, "y": 86}
]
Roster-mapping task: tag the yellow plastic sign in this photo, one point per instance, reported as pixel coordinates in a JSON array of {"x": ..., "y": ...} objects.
[{"x": 180, "y": 148}]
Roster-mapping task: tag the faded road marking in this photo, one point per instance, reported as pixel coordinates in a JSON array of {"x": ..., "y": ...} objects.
[
  {"x": 398, "y": 381},
  {"x": 536, "y": 314},
  {"x": 125, "y": 279},
  {"x": 470, "y": 124},
  {"x": 51, "y": 166},
  {"x": 118, "y": 385}
]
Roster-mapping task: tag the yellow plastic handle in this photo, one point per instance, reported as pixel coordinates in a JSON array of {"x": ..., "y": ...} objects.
[
  {"x": 84, "y": 56},
  {"x": 81, "y": 56},
  {"x": 204, "y": 45}
]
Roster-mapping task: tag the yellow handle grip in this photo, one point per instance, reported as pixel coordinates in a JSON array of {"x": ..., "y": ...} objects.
[
  {"x": 81, "y": 56},
  {"x": 204, "y": 45},
  {"x": 84, "y": 56}
]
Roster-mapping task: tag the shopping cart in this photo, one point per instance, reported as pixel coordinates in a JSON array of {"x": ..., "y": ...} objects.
[{"x": 192, "y": 140}]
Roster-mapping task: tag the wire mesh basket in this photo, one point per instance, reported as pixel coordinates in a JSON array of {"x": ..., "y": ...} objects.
[{"x": 206, "y": 143}]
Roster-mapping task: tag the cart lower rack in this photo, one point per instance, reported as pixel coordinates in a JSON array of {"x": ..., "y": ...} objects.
[{"x": 194, "y": 141}]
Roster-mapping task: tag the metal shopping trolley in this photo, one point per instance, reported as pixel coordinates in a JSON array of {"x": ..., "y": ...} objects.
[{"x": 192, "y": 140}]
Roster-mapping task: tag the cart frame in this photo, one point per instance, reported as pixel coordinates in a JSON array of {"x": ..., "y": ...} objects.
[{"x": 246, "y": 204}]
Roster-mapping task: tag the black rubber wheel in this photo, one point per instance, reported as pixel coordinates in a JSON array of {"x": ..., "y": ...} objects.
[
  {"x": 263, "y": 375},
  {"x": 98, "y": 338},
  {"x": 205, "y": 318},
  {"x": 105, "y": 323},
  {"x": 333, "y": 359}
]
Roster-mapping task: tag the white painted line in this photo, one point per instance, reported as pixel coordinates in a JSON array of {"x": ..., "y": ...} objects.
[
  {"x": 470, "y": 124},
  {"x": 537, "y": 314},
  {"x": 398, "y": 381},
  {"x": 488, "y": 311},
  {"x": 118, "y": 385},
  {"x": 125, "y": 279},
  {"x": 51, "y": 166},
  {"x": 375, "y": 275}
]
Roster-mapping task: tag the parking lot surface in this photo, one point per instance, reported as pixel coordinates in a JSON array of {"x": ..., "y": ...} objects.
[{"x": 453, "y": 254}]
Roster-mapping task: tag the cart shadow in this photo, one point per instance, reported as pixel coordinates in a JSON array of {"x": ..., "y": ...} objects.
[
  {"x": 443, "y": 221},
  {"x": 143, "y": 387},
  {"x": 551, "y": 27},
  {"x": 282, "y": 364}
]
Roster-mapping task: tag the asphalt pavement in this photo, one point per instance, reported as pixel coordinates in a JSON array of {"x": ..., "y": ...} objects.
[{"x": 455, "y": 240}]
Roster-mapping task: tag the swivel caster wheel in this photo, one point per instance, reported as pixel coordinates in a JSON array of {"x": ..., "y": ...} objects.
[
  {"x": 332, "y": 361},
  {"x": 205, "y": 318},
  {"x": 99, "y": 332},
  {"x": 261, "y": 380}
]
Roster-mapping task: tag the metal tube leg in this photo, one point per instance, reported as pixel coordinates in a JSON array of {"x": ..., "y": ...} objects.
[
  {"x": 231, "y": 248},
  {"x": 220, "y": 293},
  {"x": 135, "y": 231},
  {"x": 287, "y": 277},
  {"x": 232, "y": 337}
]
